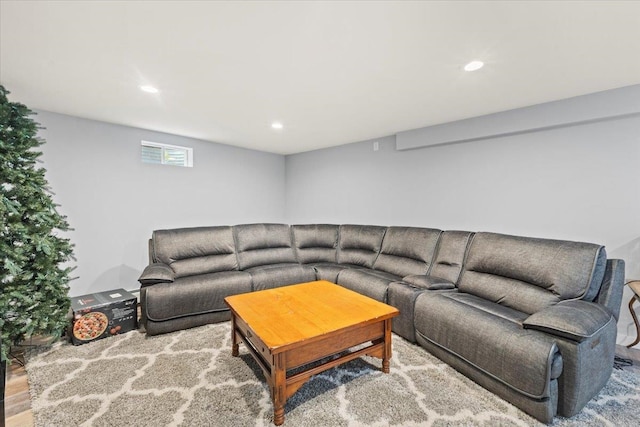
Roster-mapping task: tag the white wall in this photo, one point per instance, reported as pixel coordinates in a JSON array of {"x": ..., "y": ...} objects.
[
  {"x": 114, "y": 201},
  {"x": 578, "y": 182},
  {"x": 571, "y": 183}
]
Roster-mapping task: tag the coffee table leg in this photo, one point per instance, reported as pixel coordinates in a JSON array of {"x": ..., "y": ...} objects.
[
  {"x": 234, "y": 337},
  {"x": 387, "y": 346},
  {"x": 278, "y": 388}
]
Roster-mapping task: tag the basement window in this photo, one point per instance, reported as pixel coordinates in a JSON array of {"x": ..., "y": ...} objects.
[{"x": 165, "y": 154}]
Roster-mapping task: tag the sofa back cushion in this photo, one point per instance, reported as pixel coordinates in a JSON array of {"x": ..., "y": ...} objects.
[
  {"x": 315, "y": 243},
  {"x": 359, "y": 244},
  {"x": 529, "y": 274},
  {"x": 407, "y": 251},
  {"x": 198, "y": 250},
  {"x": 263, "y": 244},
  {"x": 452, "y": 248}
]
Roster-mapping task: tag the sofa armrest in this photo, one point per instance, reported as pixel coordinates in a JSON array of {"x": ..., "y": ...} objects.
[
  {"x": 156, "y": 273},
  {"x": 429, "y": 282},
  {"x": 574, "y": 320},
  {"x": 612, "y": 287}
]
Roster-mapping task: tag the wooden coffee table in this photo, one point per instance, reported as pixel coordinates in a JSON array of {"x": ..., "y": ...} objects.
[{"x": 293, "y": 326}]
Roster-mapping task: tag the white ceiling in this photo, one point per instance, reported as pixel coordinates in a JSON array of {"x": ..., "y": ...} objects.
[{"x": 331, "y": 72}]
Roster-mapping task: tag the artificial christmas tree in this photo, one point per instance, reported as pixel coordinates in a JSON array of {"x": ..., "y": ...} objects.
[{"x": 34, "y": 274}]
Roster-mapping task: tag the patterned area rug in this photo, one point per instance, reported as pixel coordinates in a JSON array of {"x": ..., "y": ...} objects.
[{"x": 189, "y": 378}]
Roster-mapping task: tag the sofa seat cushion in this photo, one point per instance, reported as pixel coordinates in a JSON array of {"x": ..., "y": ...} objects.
[
  {"x": 371, "y": 283},
  {"x": 329, "y": 270},
  {"x": 276, "y": 275},
  {"x": 495, "y": 309},
  {"x": 490, "y": 339},
  {"x": 193, "y": 295}
]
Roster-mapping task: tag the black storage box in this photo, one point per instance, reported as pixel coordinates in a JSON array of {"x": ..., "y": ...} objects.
[{"x": 102, "y": 314}]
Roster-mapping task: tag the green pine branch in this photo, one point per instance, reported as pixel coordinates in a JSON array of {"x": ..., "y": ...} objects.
[{"x": 34, "y": 277}]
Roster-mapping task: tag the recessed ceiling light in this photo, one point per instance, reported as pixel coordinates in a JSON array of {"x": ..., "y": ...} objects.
[
  {"x": 474, "y": 65},
  {"x": 149, "y": 89},
  {"x": 276, "y": 125}
]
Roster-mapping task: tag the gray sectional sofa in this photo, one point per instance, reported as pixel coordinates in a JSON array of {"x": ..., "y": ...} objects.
[{"x": 532, "y": 320}]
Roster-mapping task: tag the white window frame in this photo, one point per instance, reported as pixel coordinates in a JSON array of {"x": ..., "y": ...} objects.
[{"x": 188, "y": 151}]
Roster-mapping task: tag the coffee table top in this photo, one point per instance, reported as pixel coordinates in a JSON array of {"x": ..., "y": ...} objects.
[{"x": 298, "y": 313}]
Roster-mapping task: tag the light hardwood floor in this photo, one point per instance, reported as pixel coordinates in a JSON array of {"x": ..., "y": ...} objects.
[
  {"x": 17, "y": 400},
  {"x": 18, "y": 403}
]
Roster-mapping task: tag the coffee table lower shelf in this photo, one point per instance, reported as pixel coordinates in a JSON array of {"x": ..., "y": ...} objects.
[{"x": 332, "y": 349}]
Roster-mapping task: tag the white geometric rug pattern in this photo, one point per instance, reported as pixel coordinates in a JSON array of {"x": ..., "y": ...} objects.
[{"x": 189, "y": 378}]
